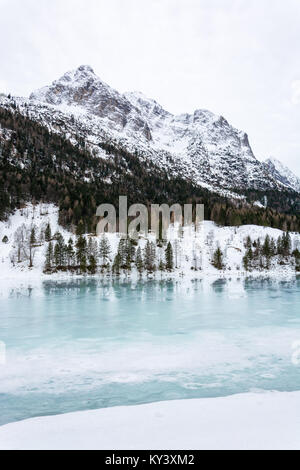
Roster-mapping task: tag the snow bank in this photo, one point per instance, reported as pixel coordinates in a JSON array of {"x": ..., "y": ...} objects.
[{"x": 269, "y": 421}]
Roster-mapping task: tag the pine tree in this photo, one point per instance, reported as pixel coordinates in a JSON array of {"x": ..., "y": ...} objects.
[
  {"x": 266, "y": 249},
  {"x": 104, "y": 250},
  {"x": 32, "y": 236},
  {"x": 279, "y": 246},
  {"x": 169, "y": 258},
  {"x": 248, "y": 243},
  {"x": 122, "y": 252},
  {"x": 32, "y": 242},
  {"x": 139, "y": 261},
  {"x": 81, "y": 251},
  {"x": 129, "y": 253},
  {"x": 56, "y": 255},
  {"x": 257, "y": 251},
  {"x": 80, "y": 230},
  {"x": 92, "y": 264},
  {"x": 60, "y": 252},
  {"x": 70, "y": 254},
  {"x": 217, "y": 261},
  {"x": 247, "y": 260},
  {"x": 286, "y": 244},
  {"x": 83, "y": 265},
  {"x": 272, "y": 247},
  {"x": 296, "y": 254},
  {"x": 117, "y": 264},
  {"x": 150, "y": 257},
  {"x": 49, "y": 257},
  {"x": 48, "y": 233}
]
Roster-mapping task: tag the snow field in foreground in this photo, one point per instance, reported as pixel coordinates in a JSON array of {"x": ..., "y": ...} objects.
[{"x": 268, "y": 421}]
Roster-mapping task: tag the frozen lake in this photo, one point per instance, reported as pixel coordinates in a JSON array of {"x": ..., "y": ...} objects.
[{"x": 83, "y": 345}]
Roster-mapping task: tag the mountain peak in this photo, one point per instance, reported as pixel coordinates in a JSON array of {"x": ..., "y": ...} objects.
[
  {"x": 81, "y": 91},
  {"x": 82, "y": 73},
  {"x": 86, "y": 68}
]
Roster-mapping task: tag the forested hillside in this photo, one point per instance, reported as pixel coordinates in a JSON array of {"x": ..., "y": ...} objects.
[{"x": 39, "y": 165}]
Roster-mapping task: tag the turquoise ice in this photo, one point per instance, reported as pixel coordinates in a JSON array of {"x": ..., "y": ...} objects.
[{"x": 82, "y": 345}]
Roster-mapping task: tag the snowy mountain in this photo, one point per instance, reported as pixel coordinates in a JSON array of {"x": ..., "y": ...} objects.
[
  {"x": 202, "y": 146},
  {"x": 283, "y": 174},
  {"x": 78, "y": 143},
  {"x": 81, "y": 88}
]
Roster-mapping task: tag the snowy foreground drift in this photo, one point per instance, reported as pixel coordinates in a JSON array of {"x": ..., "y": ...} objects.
[{"x": 267, "y": 421}]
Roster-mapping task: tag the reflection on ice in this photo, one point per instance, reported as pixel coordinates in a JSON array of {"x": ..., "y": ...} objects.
[
  {"x": 111, "y": 289},
  {"x": 91, "y": 343}
]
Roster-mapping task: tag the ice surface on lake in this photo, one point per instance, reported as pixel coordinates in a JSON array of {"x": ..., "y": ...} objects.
[{"x": 80, "y": 345}]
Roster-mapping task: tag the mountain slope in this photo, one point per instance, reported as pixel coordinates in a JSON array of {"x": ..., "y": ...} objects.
[
  {"x": 79, "y": 143},
  {"x": 283, "y": 174},
  {"x": 203, "y": 146}
]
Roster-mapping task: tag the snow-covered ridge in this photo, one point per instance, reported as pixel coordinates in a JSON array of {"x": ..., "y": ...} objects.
[
  {"x": 283, "y": 174},
  {"x": 202, "y": 147}
]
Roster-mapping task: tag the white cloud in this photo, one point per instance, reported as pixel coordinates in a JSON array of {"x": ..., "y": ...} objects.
[{"x": 296, "y": 92}]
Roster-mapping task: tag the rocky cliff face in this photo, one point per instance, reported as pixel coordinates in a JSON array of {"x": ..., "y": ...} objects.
[
  {"x": 201, "y": 147},
  {"x": 283, "y": 174},
  {"x": 81, "y": 88}
]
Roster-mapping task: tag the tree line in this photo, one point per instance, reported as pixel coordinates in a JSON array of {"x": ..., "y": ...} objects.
[{"x": 87, "y": 255}]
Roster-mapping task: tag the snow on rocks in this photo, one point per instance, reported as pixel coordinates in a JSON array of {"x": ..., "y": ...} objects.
[
  {"x": 203, "y": 147},
  {"x": 283, "y": 174}
]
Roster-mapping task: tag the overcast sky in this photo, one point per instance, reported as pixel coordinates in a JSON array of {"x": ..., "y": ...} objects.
[{"x": 238, "y": 58}]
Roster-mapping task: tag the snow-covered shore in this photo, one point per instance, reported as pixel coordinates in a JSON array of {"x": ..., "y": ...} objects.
[
  {"x": 266, "y": 421},
  {"x": 192, "y": 252}
]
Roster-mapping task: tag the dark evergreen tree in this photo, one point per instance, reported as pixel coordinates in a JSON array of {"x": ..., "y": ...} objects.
[
  {"x": 218, "y": 257},
  {"x": 70, "y": 253},
  {"x": 248, "y": 243},
  {"x": 266, "y": 249},
  {"x": 139, "y": 261},
  {"x": 83, "y": 265},
  {"x": 104, "y": 250},
  {"x": 57, "y": 255},
  {"x": 247, "y": 260},
  {"x": 49, "y": 257},
  {"x": 169, "y": 258},
  {"x": 48, "y": 233},
  {"x": 286, "y": 244},
  {"x": 60, "y": 253},
  {"x": 81, "y": 253},
  {"x": 92, "y": 267},
  {"x": 32, "y": 243},
  {"x": 129, "y": 253},
  {"x": 116, "y": 268},
  {"x": 150, "y": 257},
  {"x": 122, "y": 251}
]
